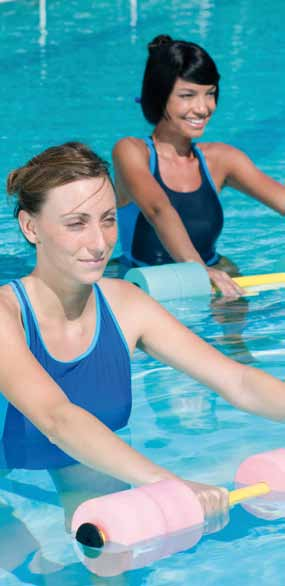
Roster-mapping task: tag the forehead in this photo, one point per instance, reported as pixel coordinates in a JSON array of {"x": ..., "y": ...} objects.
[
  {"x": 91, "y": 195},
  {"x": 182, "y": 84}
]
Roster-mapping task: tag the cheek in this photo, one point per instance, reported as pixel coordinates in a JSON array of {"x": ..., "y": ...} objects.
[
  {"x": 57, "y": 241},
  {"x": 172, "y": 105},
  {"x": 113, "y": 235},
  {"x": 48, "y": 232},
  {"x": 175, "y": 107}
]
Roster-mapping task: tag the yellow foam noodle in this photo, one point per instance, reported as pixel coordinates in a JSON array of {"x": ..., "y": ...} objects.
[
  {"x": 248, "y": 492},
  {"x": 269, "y": 279}
]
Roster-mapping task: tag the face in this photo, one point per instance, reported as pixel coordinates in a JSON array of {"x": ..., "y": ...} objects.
[
  {"x": 76, "y": 230},
  {"x": 189, "y": 107}
]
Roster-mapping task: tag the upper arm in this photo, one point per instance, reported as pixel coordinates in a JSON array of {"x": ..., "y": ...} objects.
[
  {"x": 27, "y": 386},
  {"x": 162, "y": 336},
  {"x": 242, "y": 174},
  {"x": 133, "y": 179}
]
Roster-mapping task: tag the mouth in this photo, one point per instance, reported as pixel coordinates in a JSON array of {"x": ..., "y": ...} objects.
[
  {"x": 197, "y": 123},
  {"x": 92, "y": 261}
]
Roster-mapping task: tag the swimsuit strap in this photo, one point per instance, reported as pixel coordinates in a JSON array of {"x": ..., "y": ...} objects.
[
  {"x": 203, "y": 165},
  {"x": 153, "y": 161},
  {"x": 153, "y": 154}
]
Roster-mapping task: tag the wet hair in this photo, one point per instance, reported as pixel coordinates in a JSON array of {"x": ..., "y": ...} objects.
[
  {"x": 53, "y": 167},
  {"x": 167, "y": 61}
]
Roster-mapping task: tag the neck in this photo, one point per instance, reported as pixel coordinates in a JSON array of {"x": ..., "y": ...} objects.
[
  {"x": 60, "y": 300},
  {"x": 169, "y": 142}
]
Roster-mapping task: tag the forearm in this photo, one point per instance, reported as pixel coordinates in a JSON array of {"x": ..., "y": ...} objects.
[
  {"x": 244, "y": 387},
  {"x": 100, "y": 448},
  {"x": 173, "y": 235},
  {"x": 247, "y": 388},
  {"x": 252, "y": 390},
  {"x": 86, "y": 439}
]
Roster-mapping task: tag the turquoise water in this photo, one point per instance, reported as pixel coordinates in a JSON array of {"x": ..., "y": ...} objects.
[{"x": 71, "y": 71}]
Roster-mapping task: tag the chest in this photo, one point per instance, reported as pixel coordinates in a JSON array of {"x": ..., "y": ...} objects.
[
  {"x": 185, "y": 174},
  {"x": 180, "y": 175},
  {"x": 66, "y": 342}
]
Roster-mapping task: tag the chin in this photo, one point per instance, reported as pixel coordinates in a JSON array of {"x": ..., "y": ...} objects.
[
  {"x": 93, "y": 278},
  {"x": 197, "y": 132},
  {"x": 90, "y": 278}
]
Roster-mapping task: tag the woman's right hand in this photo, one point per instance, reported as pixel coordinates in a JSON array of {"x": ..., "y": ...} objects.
[
  {"x": 223, "y": 282},
  {"x": 215, "y": 503}
]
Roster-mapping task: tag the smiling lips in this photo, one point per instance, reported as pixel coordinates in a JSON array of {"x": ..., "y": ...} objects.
[
  {"x": 92, "y": 260},
  {"x": 197, "y": 122}
]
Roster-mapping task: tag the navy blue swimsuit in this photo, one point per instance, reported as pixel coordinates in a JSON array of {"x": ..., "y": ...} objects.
[
  {"x": 98, "y": 380},
  {"x": 200, "y": 211}
]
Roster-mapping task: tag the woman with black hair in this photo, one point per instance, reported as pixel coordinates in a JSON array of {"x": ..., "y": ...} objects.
[{"x": 167, "y": 185}]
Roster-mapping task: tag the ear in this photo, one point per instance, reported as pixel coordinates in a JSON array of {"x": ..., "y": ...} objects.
[{"x": 28, "y": 226}]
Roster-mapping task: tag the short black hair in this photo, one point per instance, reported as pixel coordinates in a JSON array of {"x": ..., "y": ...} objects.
[{"x": 167, "y": 61}]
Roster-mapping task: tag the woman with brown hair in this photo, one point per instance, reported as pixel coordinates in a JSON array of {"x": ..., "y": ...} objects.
[{"x": 71, "y": 333}]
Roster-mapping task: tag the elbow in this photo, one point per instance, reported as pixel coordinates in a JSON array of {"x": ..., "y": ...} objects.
[
  {"x": 279, "y": 209},
  {"x": 158, "y": 213},
  {"x": 56, "y": 423}
]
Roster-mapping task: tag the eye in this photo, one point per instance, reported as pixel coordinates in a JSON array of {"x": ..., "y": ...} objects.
[
  {"x": 75, "y": 225},
  {"x": 110, "y": 220}
]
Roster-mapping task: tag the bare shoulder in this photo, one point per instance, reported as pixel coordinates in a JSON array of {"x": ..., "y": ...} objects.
[
  {"x": 127, "y": 297},
  {"x": 225, "y": 161},
  {"x": 129, "y": 146},
  {"x": 132, "y": 307},
  {"x": 144, "y": 322},
  {"x": 119, "y": 292},
  {"x": 218, "y": 149},
  {"x": 8, "y": 302},
  {"x": 9, "y": 311},
  {"x": 131, "y": 170},
  {"x": 129, "y": 300}
]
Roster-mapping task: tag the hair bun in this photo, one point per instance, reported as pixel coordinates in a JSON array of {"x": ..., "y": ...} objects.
[
  {"x": 13, "y": 180},
  {"x": 158, "y": 42}
]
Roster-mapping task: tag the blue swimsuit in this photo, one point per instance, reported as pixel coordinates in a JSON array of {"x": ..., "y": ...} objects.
[
  {"x": 200, "y": 211},
  {"x": 98, "y": 380}
]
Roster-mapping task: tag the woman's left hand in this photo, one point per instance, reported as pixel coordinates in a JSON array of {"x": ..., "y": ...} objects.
[
  {"x": 215, "y": 503},
  {"x": 223, "y": 282}
]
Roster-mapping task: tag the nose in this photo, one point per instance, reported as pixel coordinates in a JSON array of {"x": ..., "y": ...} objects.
[
  {"x": 95, "y": 241},
  {"x": 201, "y": 105}
]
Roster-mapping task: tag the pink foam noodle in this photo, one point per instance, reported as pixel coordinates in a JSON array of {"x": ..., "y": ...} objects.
[
  {"x": 133, "y": 515},
  {"x": 266, "y": 467},
  {"x": 140, "y": 525},
  {"x": 112, "y": 563},
  {"x": 133, "y": 528}
]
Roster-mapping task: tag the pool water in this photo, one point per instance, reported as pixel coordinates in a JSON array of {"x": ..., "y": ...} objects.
[{"x": 72, "y": 71}]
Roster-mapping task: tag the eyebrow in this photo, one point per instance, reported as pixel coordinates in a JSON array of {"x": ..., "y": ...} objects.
[
  {"x": 81, "y": 214},
  {"x": 84, "y": 215}
]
